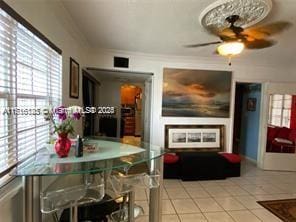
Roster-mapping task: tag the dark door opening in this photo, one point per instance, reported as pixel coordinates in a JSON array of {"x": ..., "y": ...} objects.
[
  {"x": 89, "y": 88},
  {"x": 237, "y": 118}
]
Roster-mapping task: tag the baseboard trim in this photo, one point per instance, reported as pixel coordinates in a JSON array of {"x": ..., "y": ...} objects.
[{"x": 249, "y": 159}]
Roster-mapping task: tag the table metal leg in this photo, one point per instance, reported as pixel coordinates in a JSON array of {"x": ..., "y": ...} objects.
[
  {"x": 74, "y": 214},
  {"x": 131, "y": 206},
  {"x": 32, "y": 187},
  {"x": 155, "y": 193},
  {"x": 37, "y": 215},
  {"x": 154, "y": 205},
  {"x": 28, "y": 198}
]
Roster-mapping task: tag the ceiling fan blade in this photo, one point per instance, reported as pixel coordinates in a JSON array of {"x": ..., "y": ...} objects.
[
  {"x": 232, "y": 31},
  {"x": 265, "y": 31},
  {"x": 259, "y": 44},
  {"x": 202, "y": 44},
  {"x": 212, "y": 30},
  {"x": 226, "y": 34}
]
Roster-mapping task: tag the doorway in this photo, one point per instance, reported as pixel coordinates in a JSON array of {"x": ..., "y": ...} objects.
[
  {"x": 279, "y": 134},
  {"x": 131, "y": 113},
  {"x": 130, "y": 94},
  {"x": 247, "y": 120}
]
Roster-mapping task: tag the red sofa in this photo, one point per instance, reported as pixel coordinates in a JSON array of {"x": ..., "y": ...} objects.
[{"x": 281, "y": 140}]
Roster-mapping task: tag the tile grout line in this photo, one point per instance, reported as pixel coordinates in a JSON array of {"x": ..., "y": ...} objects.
[
  {"x": 193, "y": 202},
  {"x": 242, "y": 210},
  {"x": 178, "y": 215},
  {"x": 174, "y": 206},
  {"x": 192, "y": 198}
]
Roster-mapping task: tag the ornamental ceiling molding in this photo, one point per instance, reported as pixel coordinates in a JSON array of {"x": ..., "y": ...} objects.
[{"x": 250, "y": 12}]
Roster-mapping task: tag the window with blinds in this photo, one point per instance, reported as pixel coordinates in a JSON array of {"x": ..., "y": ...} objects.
[
  {"x": 30, "y": 80},
  {"x": 280, "y": 110}
]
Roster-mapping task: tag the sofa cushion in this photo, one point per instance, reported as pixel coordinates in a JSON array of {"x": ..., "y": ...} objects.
[
  {"x": 170, "y": 158},
  {"x": 283, "y": 141},
  {"x": 284, "y": 133},
  {"x": 292, "y": 135},
  {"x": 272, "y": 133},
  {"x": 231, "y": 157}
]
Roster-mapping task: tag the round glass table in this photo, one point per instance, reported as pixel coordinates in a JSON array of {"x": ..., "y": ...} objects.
[{"x": 98, "y": 167}]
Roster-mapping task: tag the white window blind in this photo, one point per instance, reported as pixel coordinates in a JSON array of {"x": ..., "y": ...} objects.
[
  {"x": 30, "y": 79},
  {"x": 280, "y": 110}
]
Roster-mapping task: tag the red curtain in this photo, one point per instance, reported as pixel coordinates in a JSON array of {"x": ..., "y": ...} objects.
[{"x": 293, "y": 113}]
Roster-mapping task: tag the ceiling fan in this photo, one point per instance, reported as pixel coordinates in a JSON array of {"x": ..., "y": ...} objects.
[{"x": 234, "y": 39}]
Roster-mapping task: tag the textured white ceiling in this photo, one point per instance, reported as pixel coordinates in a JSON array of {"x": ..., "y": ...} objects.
[{"x": 164, "y": 26}]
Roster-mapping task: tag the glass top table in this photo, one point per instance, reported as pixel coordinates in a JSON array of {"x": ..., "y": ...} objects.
[{"x": 111, "y": 154}]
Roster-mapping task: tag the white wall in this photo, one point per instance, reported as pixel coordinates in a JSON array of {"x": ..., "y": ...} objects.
[
  {"x": 51, "y": 19},
  {"x": 242, "y": 71}
]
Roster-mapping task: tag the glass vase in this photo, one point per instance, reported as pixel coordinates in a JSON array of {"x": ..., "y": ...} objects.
[{"x": 62, "y": 145}]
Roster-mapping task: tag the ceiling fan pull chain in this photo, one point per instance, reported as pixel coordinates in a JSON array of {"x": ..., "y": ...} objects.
[{"x": 229, "y": 60}]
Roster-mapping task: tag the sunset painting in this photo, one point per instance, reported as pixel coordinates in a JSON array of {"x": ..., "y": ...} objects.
[{"x": 196, "y": 93}]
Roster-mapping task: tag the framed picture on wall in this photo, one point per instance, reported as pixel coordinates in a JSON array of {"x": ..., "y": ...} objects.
[
  {"x": 196, "y": 93},
  {"x": 180, "y": 138},
  {"x": 251, "y": 104},
  {"x": 74, "y": 79}
]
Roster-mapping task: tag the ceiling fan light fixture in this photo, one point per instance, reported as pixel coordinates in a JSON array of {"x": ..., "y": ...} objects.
[{"x": 230, "y": 48}]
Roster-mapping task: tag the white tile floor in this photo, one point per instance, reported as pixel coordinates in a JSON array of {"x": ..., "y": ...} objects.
[{"x": 233, "y": 199}]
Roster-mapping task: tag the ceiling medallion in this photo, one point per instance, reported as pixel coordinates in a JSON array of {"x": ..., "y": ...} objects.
[{"x": 249, "y": 11}]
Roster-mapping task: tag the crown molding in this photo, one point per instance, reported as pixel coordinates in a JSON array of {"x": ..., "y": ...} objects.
[{"x": 215, "y": 60}]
